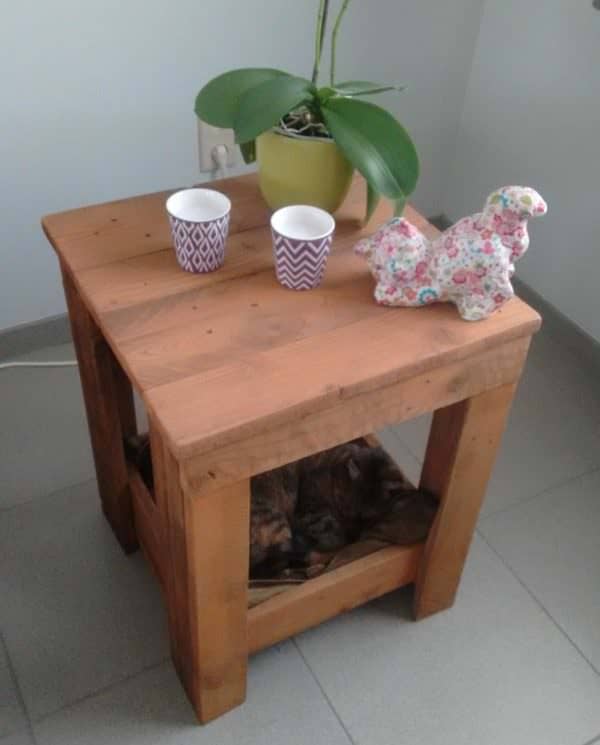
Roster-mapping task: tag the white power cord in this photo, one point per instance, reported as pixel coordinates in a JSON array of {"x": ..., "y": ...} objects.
[
  {"x": 63, "y": 363},
  {"x": 220, "y": 154}
]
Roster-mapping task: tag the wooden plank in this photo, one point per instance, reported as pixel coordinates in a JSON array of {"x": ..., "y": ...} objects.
[
  {"x": 124, "y": 290},
  {"x": 149, "y": 525},
  {"x": 462, "y": 448},
  {"x": 97, "y": 235},
  {"x": 156, "y": 274},
  {"x": 244, "y": 302},
  {"x": 174, "y": 548},
  {"x": 110, "y": 414},
  {"x": 263, "y": 389},
  {"x": 196, "y": 331},
  {"x": 333, "y": 593},
  {"x": 207, "y": 588},
  {"x": 116, "y": 231},
  {"x": 206, "y": 326},
  {"x": 353, "y": 417}
]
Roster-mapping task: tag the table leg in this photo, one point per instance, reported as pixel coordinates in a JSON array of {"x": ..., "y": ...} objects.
[
  {"x": 110, "y": 414},
  {"x": 207, "y": 585},
  {"x": 460, "y": 455}
]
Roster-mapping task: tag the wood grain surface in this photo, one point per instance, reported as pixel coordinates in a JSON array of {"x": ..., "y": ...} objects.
[
  {"x": 110, "y": 411},
  {"x": 231, "y": 354},
  {"x": 206, "y": 587},
  {"x": 330, "y": 594},
  {"x": 461, "y": 452},
  {"x": 240, "y": 375}
]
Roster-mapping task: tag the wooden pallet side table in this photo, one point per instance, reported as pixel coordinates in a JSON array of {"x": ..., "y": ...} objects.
[{"x": 239, "y": 376}]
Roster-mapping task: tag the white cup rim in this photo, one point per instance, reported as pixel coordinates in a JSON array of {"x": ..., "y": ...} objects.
[
  {"x": 190, "y": 205},
  {"x": 288, "y": 221}
]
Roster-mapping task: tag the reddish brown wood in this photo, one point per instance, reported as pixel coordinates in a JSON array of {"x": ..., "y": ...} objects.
[
  {"x": 110, "y": 414},
  {"x": 207, "y": 588},
  {"x": 460, "y": 455},
  {"x": 149, "y": 524},
  {"x": 324, "y": 426},
  {"x": 333, "y": 593},
  {"x": 240, "y": 375}
]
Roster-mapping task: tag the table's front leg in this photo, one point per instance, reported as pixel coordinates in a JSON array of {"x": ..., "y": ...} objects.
[
  {"x": 462, "y": 447},
  {"x": 207, "y": 584},
  {"x": 110, "y": 413}
]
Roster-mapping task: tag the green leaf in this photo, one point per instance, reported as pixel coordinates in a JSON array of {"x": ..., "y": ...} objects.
[
  {"x": 375, "y": 143},
  {"x": 399, "y": 206},
  {"x": 325, "y": 93},
  {"x": 217, "y": 102},
  {"x": 364, "y": 88},
  {"x": 261, "y": 107},
  {"x": 248, "y": 151},
  {"x": 373, "y": 198}
]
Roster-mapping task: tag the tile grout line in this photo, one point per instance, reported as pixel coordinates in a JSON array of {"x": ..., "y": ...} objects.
[
  {"x": 543, "y": 492},
  {"x": 540, "y": 605},
  {"x": 46, "y": 496},
  {"x": 324, "y": 694},
  {"x": 20, "y": 698},
  {"x": 99, "y": 691}
]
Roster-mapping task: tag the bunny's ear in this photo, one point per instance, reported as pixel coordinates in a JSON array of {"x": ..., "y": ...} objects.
[
  {"x": 539, "y": 206},
  {"x": 528, "y": 202},
  {"x": 495, "y": 201}
]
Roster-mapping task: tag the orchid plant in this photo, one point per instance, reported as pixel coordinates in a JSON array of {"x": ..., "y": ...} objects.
[{"x": 253, "y": 100}]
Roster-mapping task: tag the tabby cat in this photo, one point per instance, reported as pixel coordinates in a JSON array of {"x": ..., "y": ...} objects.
[
  {"x": 274, "y": 495},
  {"x": 313, "y": 507},
  {"x": 345, "y": 491}
]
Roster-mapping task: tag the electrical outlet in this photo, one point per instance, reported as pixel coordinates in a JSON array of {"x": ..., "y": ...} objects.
[{"x": 209, "y": 138}]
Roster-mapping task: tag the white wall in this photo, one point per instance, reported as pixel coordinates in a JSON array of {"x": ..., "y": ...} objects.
[
  {"x": 532, "y": 116},
  {"x": 96, "y": 100},
  {"x": 427, "y": 45}
]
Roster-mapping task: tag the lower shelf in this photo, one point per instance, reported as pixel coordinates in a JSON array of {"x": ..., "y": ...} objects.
[
  {"x": 324, "y": 597},
  {"x": 301, "y": 606}
]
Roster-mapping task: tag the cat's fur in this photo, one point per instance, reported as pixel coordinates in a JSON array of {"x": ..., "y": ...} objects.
[
  {"x": 312, "y": 507},
  {"x": 274, "y": 495},
  {"x": 346, "y": 490},
  {"x": 338, "y": 494}
]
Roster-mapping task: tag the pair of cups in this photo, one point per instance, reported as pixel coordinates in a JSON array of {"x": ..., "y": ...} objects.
[{"x": 302, "y": 236}]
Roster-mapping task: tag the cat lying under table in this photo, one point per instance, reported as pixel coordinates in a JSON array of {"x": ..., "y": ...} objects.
[{"x": 305, "y": 513}]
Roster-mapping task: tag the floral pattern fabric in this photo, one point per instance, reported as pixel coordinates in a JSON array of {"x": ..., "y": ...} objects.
[{"x": 470, "y": 264}]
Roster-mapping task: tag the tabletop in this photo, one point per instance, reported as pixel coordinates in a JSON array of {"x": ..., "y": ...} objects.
[{"x": 217, "y": 356}]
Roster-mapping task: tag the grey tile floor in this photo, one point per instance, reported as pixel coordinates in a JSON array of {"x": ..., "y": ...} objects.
[{"x": 84, "y": 648}]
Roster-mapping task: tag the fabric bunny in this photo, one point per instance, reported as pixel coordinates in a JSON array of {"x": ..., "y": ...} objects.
[{"x": 470, "y": 264}]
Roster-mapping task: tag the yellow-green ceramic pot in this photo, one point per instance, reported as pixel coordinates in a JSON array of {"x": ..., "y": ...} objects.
[{"x": 301, "y": 170}]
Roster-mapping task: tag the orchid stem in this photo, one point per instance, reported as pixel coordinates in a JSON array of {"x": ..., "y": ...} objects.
[
  {"x": 334, "y": 34},
  {"x": 319, "y": 37}
]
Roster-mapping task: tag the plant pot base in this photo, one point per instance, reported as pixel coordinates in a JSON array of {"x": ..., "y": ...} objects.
[{"x": 302, "y": 170}]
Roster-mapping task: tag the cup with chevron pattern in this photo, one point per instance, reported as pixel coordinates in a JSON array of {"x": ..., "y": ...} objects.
[
  {"x": 199, "y": 225},
  {"x": 302, "y": 237}
]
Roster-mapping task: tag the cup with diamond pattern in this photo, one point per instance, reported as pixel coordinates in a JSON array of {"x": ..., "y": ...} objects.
[
  {"x": 302, "y": 238},
  {"x": 199, "y": 225}
]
